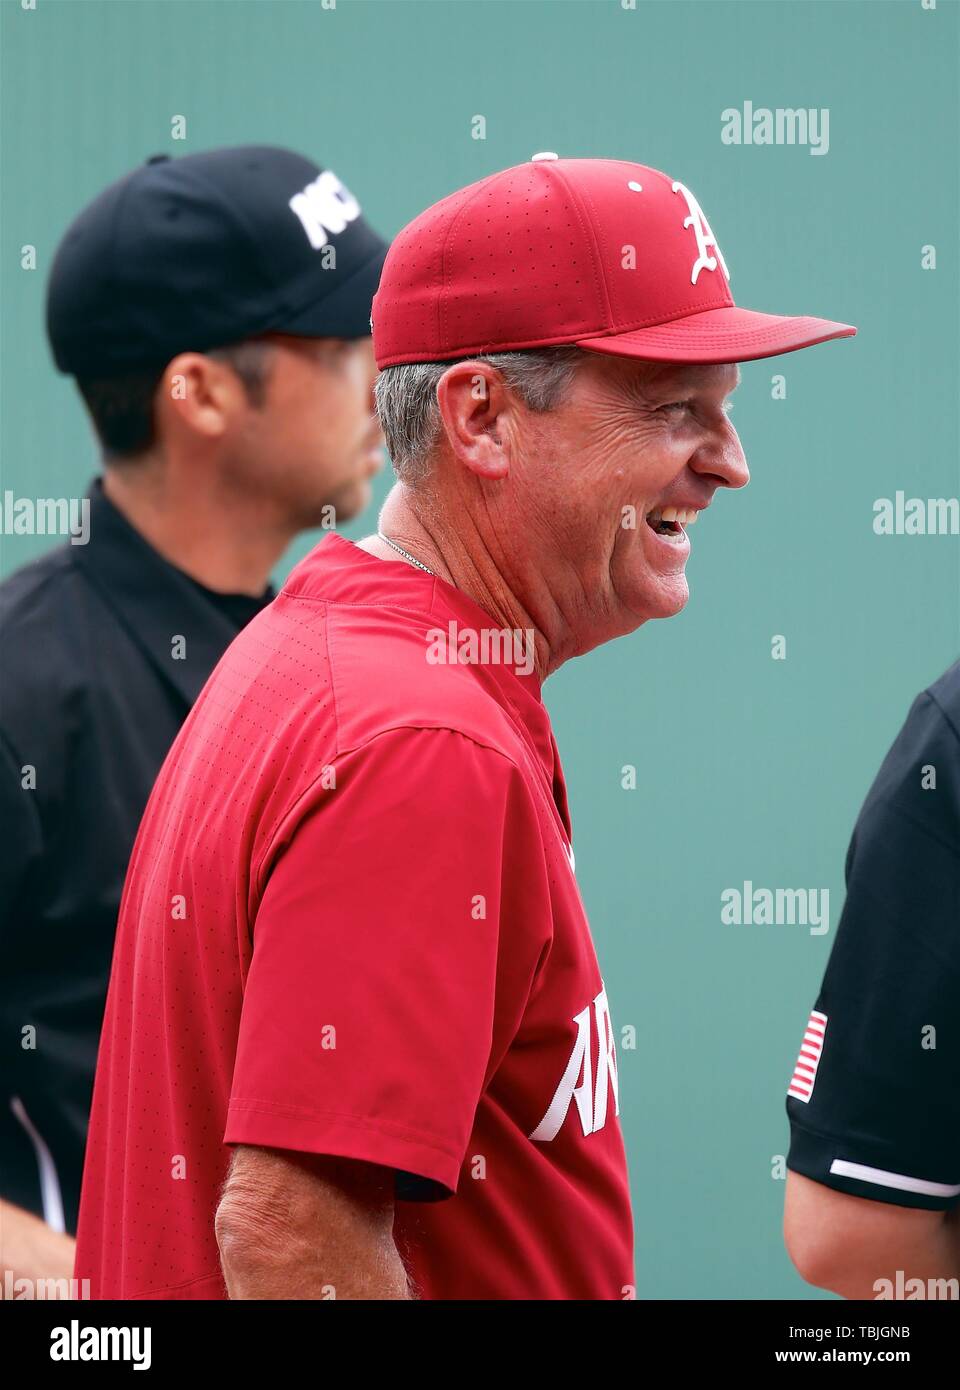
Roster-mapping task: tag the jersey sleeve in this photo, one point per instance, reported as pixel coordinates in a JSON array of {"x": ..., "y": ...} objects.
[
  {"x": 399, "y": 935},
  {"x": 874, "y": 1101}
]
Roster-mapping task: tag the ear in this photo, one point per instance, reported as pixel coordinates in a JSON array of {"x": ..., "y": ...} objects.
[
  {"x": 479, "y": 417},
  {"x": 199, "y": 396}
]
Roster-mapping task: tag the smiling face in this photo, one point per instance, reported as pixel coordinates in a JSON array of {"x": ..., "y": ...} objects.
[
  {"x": 611, "y": 479},
  {"x": 570, "y": 518}
]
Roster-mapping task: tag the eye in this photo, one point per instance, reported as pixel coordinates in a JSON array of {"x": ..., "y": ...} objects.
[
  {"x": 679, "y": 407},
  {"x": 727, "y": 406}
]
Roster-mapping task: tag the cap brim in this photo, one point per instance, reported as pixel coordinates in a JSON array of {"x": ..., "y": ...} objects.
[
  {"x": 719, "y": 335},
  {"x": 344, "y": 312}
]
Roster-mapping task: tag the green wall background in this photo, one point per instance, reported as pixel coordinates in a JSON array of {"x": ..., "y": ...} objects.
[{"x": 749, "y": 768}]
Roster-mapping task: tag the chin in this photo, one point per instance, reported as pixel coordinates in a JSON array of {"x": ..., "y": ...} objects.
[
  {"x": 665, "y": 600},
  {"x": 350, "y": 501},
  {"x": 649, "y": 576}
]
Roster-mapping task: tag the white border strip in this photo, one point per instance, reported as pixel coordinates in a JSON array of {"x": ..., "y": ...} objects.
[
  {"x": 49, "y": 1182},
  {"x": 881, "y": 1178}
]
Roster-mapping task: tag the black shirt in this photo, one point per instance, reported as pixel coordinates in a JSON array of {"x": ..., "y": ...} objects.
[
  {"x": 874, "y": 1103},
  {"x": 105, "y": 648}
]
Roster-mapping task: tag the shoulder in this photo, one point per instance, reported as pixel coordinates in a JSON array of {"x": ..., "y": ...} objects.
[
  {"x": 47, "y": 645},
  {"x": 929, "y": 735},
  {"x": 944, "y": 695},
  {"x": 428, "y": 794},
  {"x": 337, "y": 708},
  {"x": 33, "y": 593},
  {"x": 388, "y": 675},
  {"x": 917, "y": 788}
]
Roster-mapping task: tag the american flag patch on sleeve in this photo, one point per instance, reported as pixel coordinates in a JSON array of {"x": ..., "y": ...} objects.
[{"x": 805, "y": 1070}]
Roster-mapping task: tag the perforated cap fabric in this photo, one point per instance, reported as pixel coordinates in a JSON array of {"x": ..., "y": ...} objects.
[{"x": 612, "y": 256}]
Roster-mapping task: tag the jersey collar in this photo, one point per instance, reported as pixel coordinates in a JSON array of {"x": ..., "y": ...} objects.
[{"x": 155, "y": 602}]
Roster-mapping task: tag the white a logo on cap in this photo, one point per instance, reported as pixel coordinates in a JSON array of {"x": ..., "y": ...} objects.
[
  {"x": 705, "y": 237},
  {"x": 324, "y": 206}
]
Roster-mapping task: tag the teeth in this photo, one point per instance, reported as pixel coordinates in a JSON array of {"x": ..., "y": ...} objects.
[{"x": 686, "y": 516}]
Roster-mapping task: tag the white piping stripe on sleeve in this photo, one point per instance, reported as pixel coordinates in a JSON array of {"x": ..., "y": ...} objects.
[
  {"x": 49, "y": 1182},
  {"x": 880, "y": 1178}
]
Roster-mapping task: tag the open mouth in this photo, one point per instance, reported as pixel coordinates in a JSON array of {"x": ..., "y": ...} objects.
[{"x": 670, "y": 521}]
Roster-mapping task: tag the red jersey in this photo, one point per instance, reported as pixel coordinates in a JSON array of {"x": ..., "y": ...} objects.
[{"x": 351, "y": 926}]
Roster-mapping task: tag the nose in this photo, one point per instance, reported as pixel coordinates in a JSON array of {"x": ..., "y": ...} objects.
[{"x": 723, "y": 459}]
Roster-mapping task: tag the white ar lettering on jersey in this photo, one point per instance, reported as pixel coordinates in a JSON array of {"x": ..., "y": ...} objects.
[
  {"x": 590, "y": 1098},
  {"x": 325, "y": 205},
  {"x": 701, "y": 230}
]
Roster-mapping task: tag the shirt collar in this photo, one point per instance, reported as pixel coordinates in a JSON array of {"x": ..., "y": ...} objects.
[{"x": 154, "y": 601}]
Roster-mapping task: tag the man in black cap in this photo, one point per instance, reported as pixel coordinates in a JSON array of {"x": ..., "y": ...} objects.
[
  {"x": 215, "y": 312},
  {"x": 872, "y": 1198}
]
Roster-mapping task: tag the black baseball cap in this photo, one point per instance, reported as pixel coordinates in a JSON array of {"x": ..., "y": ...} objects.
[{"x": 196, "y": 252}]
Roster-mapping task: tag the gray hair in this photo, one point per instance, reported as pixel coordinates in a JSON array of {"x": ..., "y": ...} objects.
[{"x": 407, "y": 398}]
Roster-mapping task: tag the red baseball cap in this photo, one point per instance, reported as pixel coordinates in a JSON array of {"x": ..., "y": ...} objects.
[{"x": 608, "y": 255}]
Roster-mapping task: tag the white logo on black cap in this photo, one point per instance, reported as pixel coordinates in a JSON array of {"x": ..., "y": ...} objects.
[{"x": 325, "y": 205}]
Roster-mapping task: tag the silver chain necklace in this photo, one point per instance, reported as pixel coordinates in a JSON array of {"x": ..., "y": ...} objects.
[{"x": 400, "y": 551}]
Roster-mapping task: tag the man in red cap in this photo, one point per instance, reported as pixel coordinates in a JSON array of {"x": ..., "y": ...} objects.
[{"x": 352, "y": 946}]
